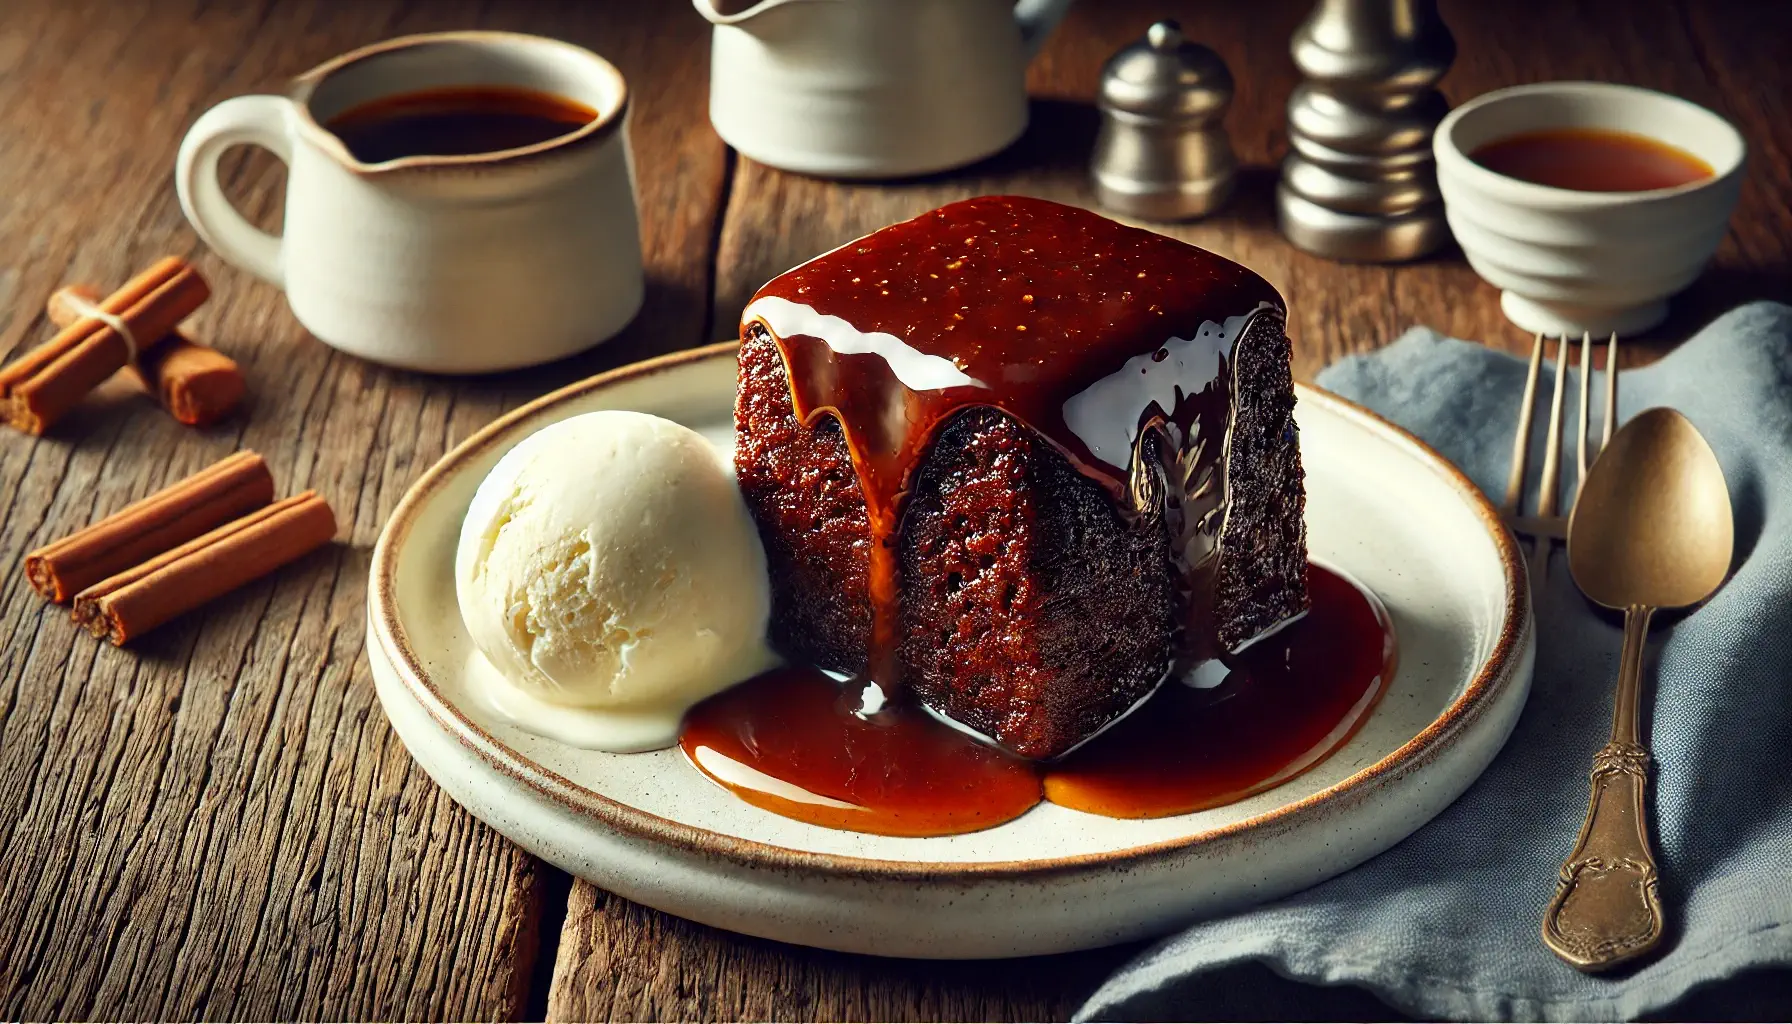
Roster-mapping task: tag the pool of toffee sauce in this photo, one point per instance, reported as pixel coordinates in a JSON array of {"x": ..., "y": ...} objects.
[{"x": 793, "y": 740}]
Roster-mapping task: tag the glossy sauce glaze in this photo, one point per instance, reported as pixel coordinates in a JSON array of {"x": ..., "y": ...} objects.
[
  {"x": 1592, "y": 160},
  {"x": 794, "y": 741},
  {"x": 1030, "y": 307}
]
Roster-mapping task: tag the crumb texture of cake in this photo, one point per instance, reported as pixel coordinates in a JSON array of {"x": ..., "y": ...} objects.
[
  {"x": 800, "y": 485},
  {"x": 1022, "y": 462},
  {"x": 1030, "y": 611},
  {"x": 1260, "y": 577}
]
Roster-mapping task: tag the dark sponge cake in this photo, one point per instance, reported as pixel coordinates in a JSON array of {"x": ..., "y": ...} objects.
[
  {"x": 979, "y": 546},
  {"x": 801, "y": 488}
]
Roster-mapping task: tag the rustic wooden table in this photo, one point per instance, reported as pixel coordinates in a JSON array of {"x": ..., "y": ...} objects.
[{"x": 219, "y": 822}]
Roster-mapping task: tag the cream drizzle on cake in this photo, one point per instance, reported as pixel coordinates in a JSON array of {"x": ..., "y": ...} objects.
[
  {"x": 917, "y": 370},
  {"x": 1106, "y": 415}
]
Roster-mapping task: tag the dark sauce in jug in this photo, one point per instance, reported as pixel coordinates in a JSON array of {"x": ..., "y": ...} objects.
[{"x": 460, "y": 121}]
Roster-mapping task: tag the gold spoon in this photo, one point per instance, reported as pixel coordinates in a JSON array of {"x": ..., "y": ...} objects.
[{"x": 1651, "y": 529}]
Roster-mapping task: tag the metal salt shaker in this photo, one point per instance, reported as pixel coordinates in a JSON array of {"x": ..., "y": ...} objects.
[
  {"x": 1359, "y": 182},
  {"x": 1162, "y": 153}
]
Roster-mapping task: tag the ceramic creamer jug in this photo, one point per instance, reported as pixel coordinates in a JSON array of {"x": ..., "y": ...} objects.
[
  {"x": 465, "y": 263},
  {"x": 873, "y": 88}
]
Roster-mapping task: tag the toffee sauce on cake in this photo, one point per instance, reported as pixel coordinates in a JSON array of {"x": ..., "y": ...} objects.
[
  {"x": 794, "y": 742},
  {"x": 971, "y": 306}
]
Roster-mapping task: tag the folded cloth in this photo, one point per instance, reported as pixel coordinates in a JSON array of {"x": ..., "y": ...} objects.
[{"x": 1446, "y": 923}]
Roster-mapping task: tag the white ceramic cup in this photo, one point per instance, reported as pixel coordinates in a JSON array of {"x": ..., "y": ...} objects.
[
  {"x": 449, "y": 264},
  {"x": 1568, "y": 261}
]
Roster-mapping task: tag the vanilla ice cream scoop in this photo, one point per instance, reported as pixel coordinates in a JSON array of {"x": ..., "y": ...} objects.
[{"x": 610, "y": 573}]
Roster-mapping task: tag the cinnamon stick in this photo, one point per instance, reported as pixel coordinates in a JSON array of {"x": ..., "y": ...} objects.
[
  {"x": 38, "y": 388},
  {"x": 138, "y": 600},
  {"x": 144, "y": 529},
  {"x": 197, "y": 384}
]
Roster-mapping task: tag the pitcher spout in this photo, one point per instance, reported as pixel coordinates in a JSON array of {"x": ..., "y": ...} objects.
[{"x": 735, "y": 12}]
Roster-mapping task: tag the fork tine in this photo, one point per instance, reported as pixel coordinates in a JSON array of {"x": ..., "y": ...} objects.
[
  {"x": 1538, "y": 562},
  {"x": 1583, "y": 414},
  {"x": 1611, "y": 390},
  {"x": 1548, "y": 495},
  {"x": 1521, "y": 438}
]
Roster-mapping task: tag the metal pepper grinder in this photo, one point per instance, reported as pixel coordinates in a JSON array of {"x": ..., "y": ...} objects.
[
  {"x": 1359, "y": 182},
  {"x": 1162, "y": 153}
]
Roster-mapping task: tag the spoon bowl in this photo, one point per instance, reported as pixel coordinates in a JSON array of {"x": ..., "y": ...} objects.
[{"x": 1652, "y": 525}]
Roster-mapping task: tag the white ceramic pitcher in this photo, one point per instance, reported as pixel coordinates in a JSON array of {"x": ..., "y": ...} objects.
[{"x": 873, "y": 88}]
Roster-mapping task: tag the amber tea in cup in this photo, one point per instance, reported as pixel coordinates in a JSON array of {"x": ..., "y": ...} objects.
[
  {"x": 1591, "y": 160},
  {"x": 458, "y": 121}
]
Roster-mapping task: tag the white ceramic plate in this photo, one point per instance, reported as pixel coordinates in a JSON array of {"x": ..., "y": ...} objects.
[{"x": 1381, "y": 506}]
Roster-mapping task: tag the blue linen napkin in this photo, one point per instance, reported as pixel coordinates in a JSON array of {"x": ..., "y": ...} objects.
[{"x": 1446, "y": 923}]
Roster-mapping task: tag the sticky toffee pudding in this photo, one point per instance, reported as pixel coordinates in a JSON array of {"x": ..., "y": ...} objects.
[{"x": 1023, "y": 474}]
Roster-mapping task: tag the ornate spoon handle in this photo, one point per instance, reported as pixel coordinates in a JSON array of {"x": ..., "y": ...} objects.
[{"x": 1606, "y": 909}]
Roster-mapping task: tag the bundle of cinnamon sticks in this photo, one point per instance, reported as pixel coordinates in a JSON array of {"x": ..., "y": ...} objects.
[
  {"x": 132, "y": 329},
  {"x": 179, "y": 548}
]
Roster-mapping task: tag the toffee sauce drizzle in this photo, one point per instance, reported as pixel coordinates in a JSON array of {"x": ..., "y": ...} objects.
[
  {"x": 1019, "y": 304},
  {"x": 791, "y": 740}
]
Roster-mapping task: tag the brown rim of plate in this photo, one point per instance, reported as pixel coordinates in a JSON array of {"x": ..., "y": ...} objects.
[{"x": 1422, "y": 748}]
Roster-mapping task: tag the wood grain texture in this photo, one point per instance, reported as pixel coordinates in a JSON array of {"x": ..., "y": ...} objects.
[
  {"x": 621, "y": 961},
  {"x": 219, "y": 822}
]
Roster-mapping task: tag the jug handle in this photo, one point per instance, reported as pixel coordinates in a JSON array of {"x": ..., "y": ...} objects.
[
  {"x": 1037, "y": 19},
  {"x": 242, "y": 121}
]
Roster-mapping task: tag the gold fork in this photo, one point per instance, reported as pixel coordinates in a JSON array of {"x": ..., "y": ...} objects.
[{"x": 1549, "y": 524}]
